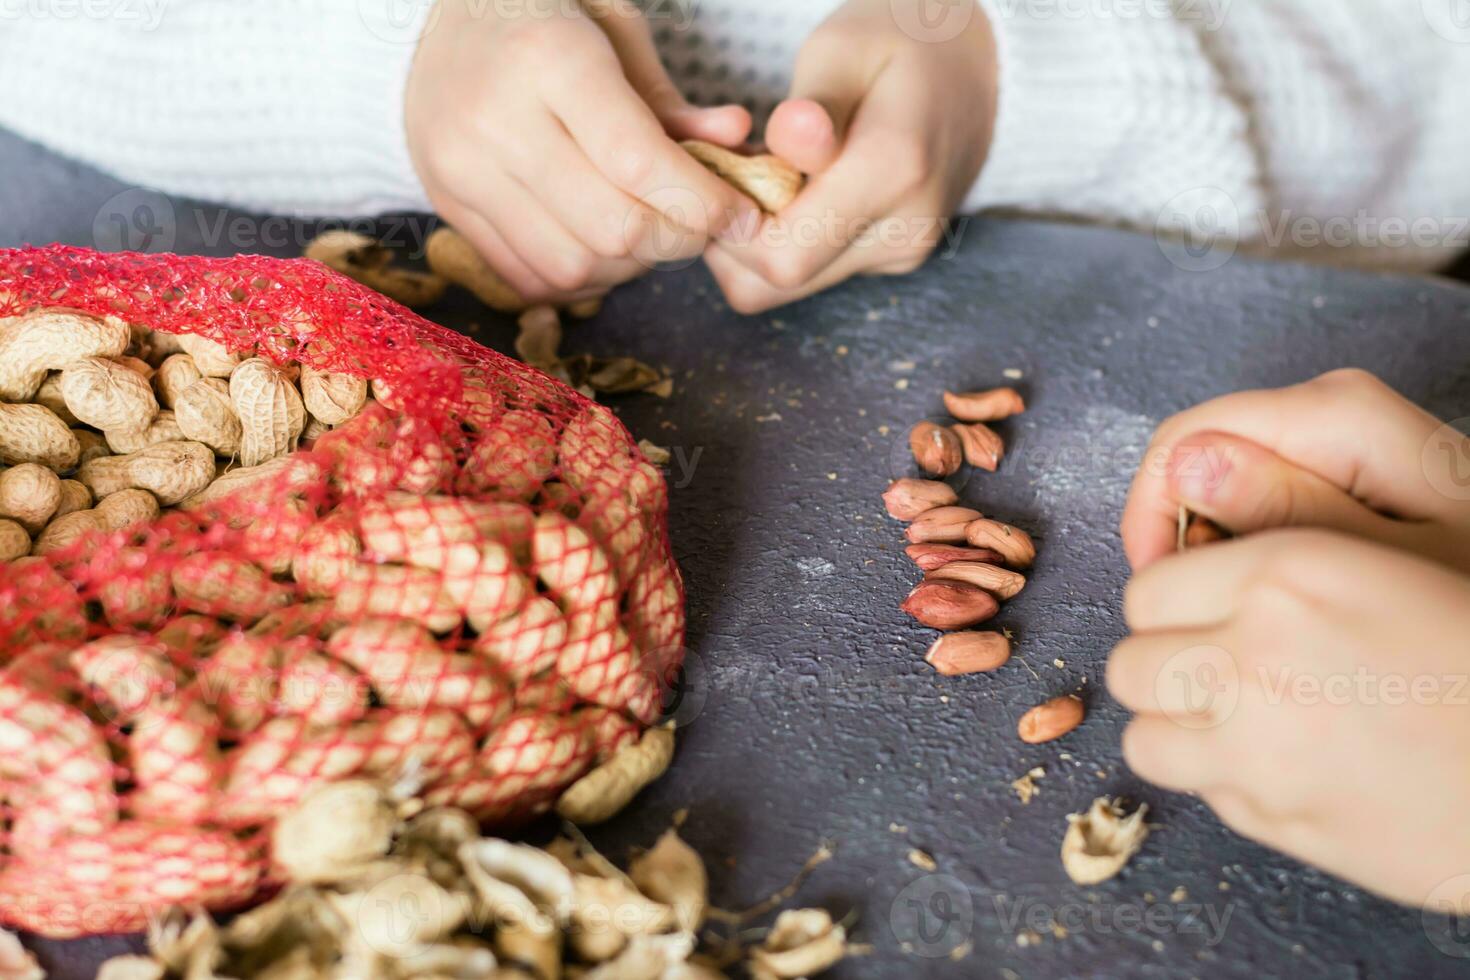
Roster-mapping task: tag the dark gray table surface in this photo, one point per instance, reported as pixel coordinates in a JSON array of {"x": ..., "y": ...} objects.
[{"x": 811, "y": 716}]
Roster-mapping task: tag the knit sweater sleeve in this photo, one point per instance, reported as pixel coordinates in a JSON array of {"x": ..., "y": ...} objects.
[
  {"x": 286, "y": 106},
  {"x": 1295, "y": 125},
  {"x": 1311, "y": 127}
]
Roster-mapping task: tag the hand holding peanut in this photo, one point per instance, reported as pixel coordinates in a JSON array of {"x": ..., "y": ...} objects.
[
  {"x": 892, "y": 125},
  {"x": 570, "y": 181},
  {"x": 1304, "y": 716},
  {"x": 1342, "y": 452}
]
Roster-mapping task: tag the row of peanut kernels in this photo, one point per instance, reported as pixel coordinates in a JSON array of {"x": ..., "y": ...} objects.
[{"x": 971, "y": 563}]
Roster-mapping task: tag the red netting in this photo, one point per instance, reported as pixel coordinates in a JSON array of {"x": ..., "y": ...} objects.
[{"x": 439, "y": 568}]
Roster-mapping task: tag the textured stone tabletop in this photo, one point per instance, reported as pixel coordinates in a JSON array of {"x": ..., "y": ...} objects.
[{"x": 810, "y": 715}]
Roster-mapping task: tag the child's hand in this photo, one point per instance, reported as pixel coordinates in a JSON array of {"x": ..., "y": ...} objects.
[
  {"x": 1312, "y": 688},
  {"x": 892, "y": 125},
  {"x": 1343, "y": 451},
  {"x": 547, "y": 136}
]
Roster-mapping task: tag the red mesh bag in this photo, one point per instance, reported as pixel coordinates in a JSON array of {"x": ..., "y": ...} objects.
[{"x": 263, "y": 528}]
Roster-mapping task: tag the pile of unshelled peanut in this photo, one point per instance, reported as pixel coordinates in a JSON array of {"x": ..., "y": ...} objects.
[
  {"x": 103, "y": 424},
  {"x": 383, "y": 889},
  {"x": 246, "y": 578},
  {"x": 971, "y": 563}
]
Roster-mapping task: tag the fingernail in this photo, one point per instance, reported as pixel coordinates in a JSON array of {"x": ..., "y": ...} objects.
[{"x": 1198, "y": 471}]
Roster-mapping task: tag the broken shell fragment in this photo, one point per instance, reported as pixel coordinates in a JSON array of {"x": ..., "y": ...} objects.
[
  {"x": 673, "y": 874},
  {"x": 399, "y": 911},
  {"x": 802, "y": 943},
  {"x": 1101, "y": 841}
]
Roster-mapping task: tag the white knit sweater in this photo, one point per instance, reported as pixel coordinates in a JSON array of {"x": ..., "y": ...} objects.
[{"x": 1339, "y": 127}]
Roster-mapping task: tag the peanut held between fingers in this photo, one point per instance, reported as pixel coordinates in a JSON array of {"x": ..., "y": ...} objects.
[
  {"x": 942, "y": 525},
  {"x": 957, "y": 654},
  {"x": 585, "y": 309},
  {"x": 1051, "y": 720},
  {"x": 1202, "y": 531},
  {"x": 767, "y": 180},
  {"x": 936, "y": 449},
  {"x": 906, "y": 499},
  {"x": 984, "y": 406},
  {"x": 1014, "y": 544},
  {"x": 950, "y": 605}
]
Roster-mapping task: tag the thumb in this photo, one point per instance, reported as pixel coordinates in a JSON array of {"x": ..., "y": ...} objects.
[
  {"x": 808, "y": 127},
  {"x": 627, "y": 29},
  {"x": 1245, "y": 487}
]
